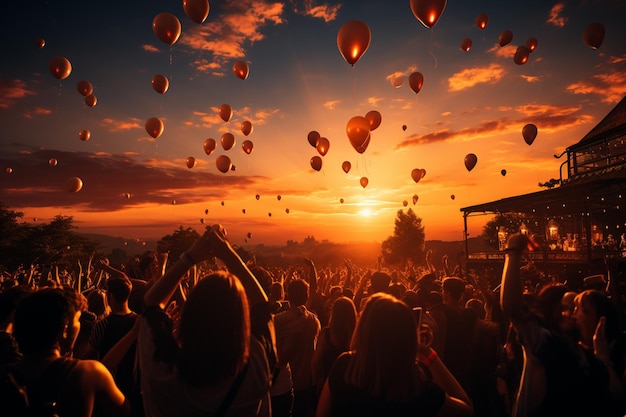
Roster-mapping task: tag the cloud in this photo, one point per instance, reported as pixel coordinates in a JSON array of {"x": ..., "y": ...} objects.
[
  {"x": 374, "y": 100},
  {"x": 324, "y": 11},
  {"x": 38, "y": 111},
  {"x": 330, "y": 105},
  {"x": 151, "y": 48},
  {"x": 471, "y": 77},
  {"x": 11, "y": 91},
  {"x": 555, "y": 17},
  {"x": 610, "y": 84},
  {"x": 530, "y": 78},
  {"x": 113, "y": 125}
]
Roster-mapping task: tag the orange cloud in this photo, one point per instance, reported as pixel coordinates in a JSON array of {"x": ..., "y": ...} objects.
[
  {"x": 113, "y": 125},
  {"x": 471, "y": 77},
  {"x": 330, "y": 105},
  {"x": 150, "y": 48},
  {"x": 323, "y": 11},
  {"x": 12, "y": 90},
  {"x": 39, "y": 111},
  {"x": 555, "y": 17},
  {"x": 530, "y": 78},
  {"x": 610, "y": 85}
]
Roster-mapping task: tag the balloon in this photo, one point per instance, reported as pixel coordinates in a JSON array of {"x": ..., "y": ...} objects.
[
  {"x": 403, "y": 127},
  {"x": 322, "y": 146},
  {"x": 415, "y": 198},
  {"x": 452, "y": 197},
  {"x": 91, "y": 100},
  {"x": 223, "y": 163},
  {"x": 9, "y": 170},
  {"x": 202, "y": 221},
  {"x": 191, "y": 162},
  {"x": 73, "y": 184},
  {"x": 196, "y": 10},
  {"x": 521, "y": 55},
  {"x": 226, "y": 112},
  {"x": 52, "y": 162},
  {"x": 241, "y": 70},
  {"x": 127, "y": 195},
  {"x": 405, "y": 203},
  {"x": 470, "y": 161},
  {"x": 243, "y": 211},
  {"x": 60, "y": 67},
  {"x": 154, "y": 127},
  {"x": 84, "y": 135},
  {"x": 346, "y": 165},
  {"x": 173, "y": 202},
  {"x": 364, "y": 181},
  {"x": 84, "y": 87},
  {"x": 269, "y": 214},
  {"x": 503, "y": 172},
  {"x": 416, "y": 80},
  {"x": 505, "y": 37},
  {"x": 40, "y": 42},
  {"x": 594, "y": 35},
  {"x": 466, "y": 44},
  {"x": 209, "y": 146},
  {"x": 247, "y": 146},
  {"x": 373, "y": 118},
  {"x": 222, "y": 203},
  {"x": 341, "y": 200},
  {"x": 287, "y": 210},
  {"x": 313, "y": 137},
  {"x": 233, "y": 167},
  {"x": 249, "y": 235},
  {"x": 529, "y": 132},
  {"x": 397, "y": 81},
  {"x": 316, "y": 163},
  {"x": 160, "y": 83},
  {"x": 278, "y": 197},
  {"x": 246, "y": 127},
  {"x": 428, "y": 12},
  {"x": 531, "y": 44},
  {"x": 417, "y": 174},
  {"x": 228, "y": 141},
  {"x": 166, "y": 27},
  {"x": 353, "y": 40},
  {"x": 482, "y": 20},
  {"x": 257, "y": 196},
  {"x": 358, "y": 130},
  {"x": 206, "y": 211}
]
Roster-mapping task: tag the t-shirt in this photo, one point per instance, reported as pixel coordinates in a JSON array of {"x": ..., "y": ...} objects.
[{"x": 348, "y": 400}]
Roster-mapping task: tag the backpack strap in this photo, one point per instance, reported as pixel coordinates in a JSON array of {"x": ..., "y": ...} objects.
[{"x": 232, "y": 392}]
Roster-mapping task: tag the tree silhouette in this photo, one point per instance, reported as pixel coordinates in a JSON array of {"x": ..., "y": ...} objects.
[{"x": 407, "y": 241}]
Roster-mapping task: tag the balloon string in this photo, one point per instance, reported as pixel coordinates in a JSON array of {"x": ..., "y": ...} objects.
[{"x": 430, "y": 48}]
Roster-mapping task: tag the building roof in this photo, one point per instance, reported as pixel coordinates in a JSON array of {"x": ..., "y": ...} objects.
[{"x": 612, "y": 124}]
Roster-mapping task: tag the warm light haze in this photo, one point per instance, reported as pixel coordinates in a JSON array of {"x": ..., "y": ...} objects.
[{"x": 139, "y": 187}]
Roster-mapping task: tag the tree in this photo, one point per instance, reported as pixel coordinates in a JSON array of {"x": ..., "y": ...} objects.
[
  {"x": 407, "y": 242},
  {"x": 510, "y": 223},
  {"x": 178, "y": 242}
]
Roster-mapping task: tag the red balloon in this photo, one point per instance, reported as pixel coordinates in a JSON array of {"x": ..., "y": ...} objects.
[
  {"x": 60, "y": 67},
  {"x": 257, "y": 196},
  {"x": 416, "y": 80},
  {"x": 405, "y": 203},
  {"x": 358, "y": 130},
  {"x": 521, "y": 55},
  {"x": 313, "y": 137},
  {"x": 246, "y": 127},
  {"x": 40, "y": 42},
  {"x": 452, "y": 197},
  {"x": 531, "y": 44},
  {"x": 52, "y": 162},
  {"x": 373, "y": 118},
  {"x": 482, "y": 20},
  {"x": 594, "y": 35},
  {"x": 341, "y": 200},
  {"x": 346, "y": 166},
  {"x": 428, "y": 12},
  {"x": 529, "y": 132},
  {"x": 322, "y": 146},
  {"x": 73, "y": 184},
  {"x": 209, "y": 146},
  {"x": 191, "y": 162},
  {"x": 415, "y": 198},
  {"x": 196, "y": 10},
  {"x": 154, "y": 127},
  {"x": 247, "y": 146},
  {"x": 91, "y": 100},
  {"x": 316, "y": 163},
  {"x": 466, "y": 44},
  {"x": 84, "y": 135},
  {"x": 353, "y": 40},
  {"x": 505, "y": 37},
  {"x": 503, "y": 172},
  {"x": 227, "y": 140},
  {"x": 364, "y": 181},
  {"x": 166, "y": 27},
  {"x": 241, "y": 70},
  {"x": 160, "y": 83},
  {"x": 223, "y": 163},
  {"x": 417, "y": 174},
  {"x": 278, "y": 197},
  {"x": 84, "y": 87},
  {"x": 226, "y": 112},
  {"x": 404, "y": 127},
  {"x": 470, "y": 161}
]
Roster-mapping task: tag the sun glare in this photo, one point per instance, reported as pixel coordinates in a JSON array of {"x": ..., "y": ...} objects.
[{"x": 366, "y": 212}]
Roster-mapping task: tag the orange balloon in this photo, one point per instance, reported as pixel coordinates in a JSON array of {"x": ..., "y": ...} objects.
[
  {"x": 166, "y": 27},
  {"x": 91, "y": 100},
  {"x": 73, "y": 184},
  {"x": 247, "y": 146},
  {"x": 228, "y": 141},
  {"x": 594, "y": 35},
  {"x": 470, "y": 161},
  {"x": 521, "y": 55},
  {"x": 358, "y": 130},
  {"x": 529, "y": 133},
  {"x": 84, "y": 135},
  {"x": 160, "y": 83},
  {"x": 40, "y": 42},
  {"x": 241, "y": 70},
  {"x": 196, "y": 10},
  {"x": 223, "y": 163},
  {"x": 84, "y": 87},
  {"x": 405, "y": 203},
  {"x": 246, "y": 127},
  {"x": 531, "y": 44},
  {"x": 417, "y": 174},
  {"x": 316, "y": 163},
  {"x": 428, "y": 12},
  {"x": 364, "y": 181},
  {"x": 226, "y": 112},
  {"x": 346, "y": 166},
  {"x": 505, "y": 37},
  {"x": 322, "y": 146},
  {"x": 466, "y": 44},
  {"x": 341, "y": 200},
  {"x": 52, "y": 162},
  {"x": 373, "y": 118},
  {"x": 191, "y": 162},
  {"x": 353, "y": 40},
  {"x": 154, "y": 127},
  {"x": 416, "y": 80},
  {"x": 209, "y": 146},
  {"x": 60, "y": 67},
  {"x": 482, "y": 20},
  {"x": 313, "y": 137},
  {"x": 415, "y": 198}
]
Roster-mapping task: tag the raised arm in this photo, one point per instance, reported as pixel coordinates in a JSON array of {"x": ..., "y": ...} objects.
[{"x": 511, "y": 288}]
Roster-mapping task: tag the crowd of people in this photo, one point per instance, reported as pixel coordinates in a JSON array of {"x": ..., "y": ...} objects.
[{"x": 211, "y": 335}]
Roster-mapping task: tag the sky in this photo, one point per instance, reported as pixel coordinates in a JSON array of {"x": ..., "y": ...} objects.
[{"x": 140, "y": 187}]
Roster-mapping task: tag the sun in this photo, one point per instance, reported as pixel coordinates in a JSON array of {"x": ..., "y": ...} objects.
[{"x": 366, "y": 212}]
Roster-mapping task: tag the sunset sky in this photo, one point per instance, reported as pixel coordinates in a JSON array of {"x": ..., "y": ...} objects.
[{"x": 139, "y": 187}]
